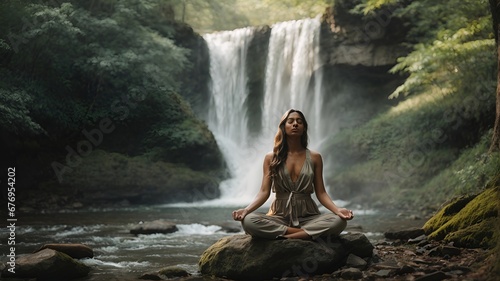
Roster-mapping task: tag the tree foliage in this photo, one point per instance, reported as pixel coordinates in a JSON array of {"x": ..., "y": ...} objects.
[
  {"x": 451, "y": 50},
  {"x": 444, "y": 108},
  {"x": 15, "y": 107},
  {"x": 68, "y": 65}
]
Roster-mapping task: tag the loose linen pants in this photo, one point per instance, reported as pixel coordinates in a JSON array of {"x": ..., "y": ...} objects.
[{"x": 270, "y": 227}]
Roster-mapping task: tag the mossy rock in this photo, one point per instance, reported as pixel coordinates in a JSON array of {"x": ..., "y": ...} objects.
[
  {"x": 469, "y": 226},
  {"x": 477, "y": 235},
  {"x": 113, "y": 177},
  {"x": 241, "y": 257},
  {"x": 447, "y": 213}
]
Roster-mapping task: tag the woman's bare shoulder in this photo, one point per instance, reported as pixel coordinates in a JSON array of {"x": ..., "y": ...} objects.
[
  {"x": 315, "y": 156},
  {"x": 269, "y": 156},
  {"x": 314, "y": 153}
]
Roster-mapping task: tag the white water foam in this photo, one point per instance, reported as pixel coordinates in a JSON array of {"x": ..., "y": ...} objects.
[
  {"x": 93, "y": 262},
  {"x": 79, "y": 230},
  {"x": 109, "y": 249},
  {"x": 198, "y": 229}
]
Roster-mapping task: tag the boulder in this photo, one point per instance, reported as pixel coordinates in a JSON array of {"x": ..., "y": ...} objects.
[
  {"x": 173, "y": 271},
  {"x": 242, "y": 257},
  {"x": 357, "y": 244},
  {"x": 354, "y": 261},
  {"x": 406, "y": 234},
  {"x": 467, "y": 221},
  {"x": 156, "y": 226},
  {"x": 351, "y": 274},
  {"x": 76, "y": 251},
  {"x": 47, "y": 264},
  {"x": 165, "y": 273}
]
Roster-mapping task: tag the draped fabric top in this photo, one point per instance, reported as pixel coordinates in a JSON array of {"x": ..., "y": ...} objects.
[{"x": 293, "y": 199}]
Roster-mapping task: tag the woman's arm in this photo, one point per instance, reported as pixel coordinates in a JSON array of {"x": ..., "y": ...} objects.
[
  {"x": 319, "y": 188},
  {"x": 262, "y": 195}
]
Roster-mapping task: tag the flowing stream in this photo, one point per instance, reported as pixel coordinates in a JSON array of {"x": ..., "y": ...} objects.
[{"x": 119, "y": 255}]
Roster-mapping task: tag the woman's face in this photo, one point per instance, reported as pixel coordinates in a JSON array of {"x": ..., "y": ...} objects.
[{"x": 294, "y": 125}]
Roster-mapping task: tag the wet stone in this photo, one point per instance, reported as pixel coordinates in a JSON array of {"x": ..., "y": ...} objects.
[
  {"x": 405, "y": 269},
  {"x": 74, "y": 250},
  {"x": 411, "y": 233},
  {"x": 356, "y": 262},
  {"x": 165, "y": 273},
  {"x": 351, "y": 274},
  {"x": 417, "y": 240},
  {"x": 152, "y": 227},
  {"x": 150, "y": 276},
  {"x": 173, "y": 271},
  {"x": 48, "y": 264},
  {"x": 383, "y": 273},
  {"x": 451, "y": 251},
  {"x": 434, "y": 276}
]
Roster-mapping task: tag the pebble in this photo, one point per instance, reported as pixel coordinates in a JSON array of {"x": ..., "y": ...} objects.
[{"x": 351, "y": 274}]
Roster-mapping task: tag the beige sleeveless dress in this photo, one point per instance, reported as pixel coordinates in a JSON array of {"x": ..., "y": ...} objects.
[{"x": 293, "y": 207}]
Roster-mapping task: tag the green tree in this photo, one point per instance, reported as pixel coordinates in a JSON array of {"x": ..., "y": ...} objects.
[
  {"x": 456, "y": 56},
  {"x": 495, "y": 12}
]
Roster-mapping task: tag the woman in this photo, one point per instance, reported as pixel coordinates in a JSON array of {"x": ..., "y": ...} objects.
[{"x": 293, "y": 172}]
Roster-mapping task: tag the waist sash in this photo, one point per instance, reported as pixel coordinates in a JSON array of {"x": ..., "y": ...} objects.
[{"x": 291, "y": 198}]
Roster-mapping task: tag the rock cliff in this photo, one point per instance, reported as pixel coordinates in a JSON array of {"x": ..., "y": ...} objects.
[{"x": 355, "y": 40}]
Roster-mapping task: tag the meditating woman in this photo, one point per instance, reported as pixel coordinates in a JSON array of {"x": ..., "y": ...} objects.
[{"x": 293, "y": 172}]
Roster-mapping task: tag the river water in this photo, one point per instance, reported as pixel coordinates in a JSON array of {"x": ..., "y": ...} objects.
[{"x": 120, "y": 255}]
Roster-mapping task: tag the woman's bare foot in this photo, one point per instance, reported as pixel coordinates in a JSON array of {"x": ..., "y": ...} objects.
[{"x": 296, "y": 233}]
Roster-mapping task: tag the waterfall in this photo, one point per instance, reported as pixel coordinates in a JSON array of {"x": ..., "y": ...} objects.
[
  {"x": 294, "y": 74},
  {"x": 293, "y": 80},
  {"x": 227, "y": 115}
]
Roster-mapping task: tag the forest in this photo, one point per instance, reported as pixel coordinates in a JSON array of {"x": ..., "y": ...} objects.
[{"x": 73, "y": 76}]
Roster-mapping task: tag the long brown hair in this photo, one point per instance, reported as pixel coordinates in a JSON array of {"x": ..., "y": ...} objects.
[{"x": 280, "y": 149}]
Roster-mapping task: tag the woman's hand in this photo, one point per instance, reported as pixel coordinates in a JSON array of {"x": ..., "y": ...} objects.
[
  {"x": 239, "y": 215},
  {"x": 345, "y": 214}
]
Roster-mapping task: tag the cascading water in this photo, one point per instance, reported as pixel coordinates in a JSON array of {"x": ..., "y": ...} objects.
[
  {"x": 294, "y": 74},
  {"x": 293, "y": 80},
  {"x": 227, "y": 117},
  {"x": 227, "y": 113}
]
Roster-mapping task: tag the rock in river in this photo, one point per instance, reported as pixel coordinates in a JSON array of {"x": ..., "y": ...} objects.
[
  {"x": 76, "y": 251},
  {"x": 156, "y": 226},
  {"x": 47, "y": 264},
  {"x": 242, "y": 257}
]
